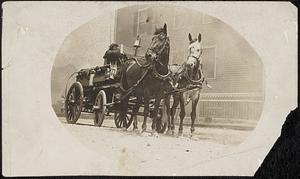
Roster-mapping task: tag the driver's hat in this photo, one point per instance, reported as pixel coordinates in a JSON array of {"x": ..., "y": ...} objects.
[{"x": 113, "y": 45}]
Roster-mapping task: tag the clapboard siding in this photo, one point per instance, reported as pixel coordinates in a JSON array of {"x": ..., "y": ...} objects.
[{"x": 231, "y": 65}]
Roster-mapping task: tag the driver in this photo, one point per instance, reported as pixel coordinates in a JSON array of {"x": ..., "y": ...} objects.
[{"x": 113, "y": 56}]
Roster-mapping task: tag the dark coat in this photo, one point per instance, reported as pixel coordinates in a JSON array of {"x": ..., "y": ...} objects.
[{"x": 112, "y": 57}]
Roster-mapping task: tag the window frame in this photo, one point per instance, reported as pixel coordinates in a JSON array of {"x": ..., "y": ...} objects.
[
  {"x": 215, "y": 60},
  {"x": 138, "y": 19}
]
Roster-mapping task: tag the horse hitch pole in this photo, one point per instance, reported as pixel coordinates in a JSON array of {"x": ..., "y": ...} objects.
[{"x": 188, "y": 88}]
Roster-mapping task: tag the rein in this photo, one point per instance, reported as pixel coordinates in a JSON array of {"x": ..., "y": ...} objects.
[
  {"x": 159, "y": 53},
  {"x": 128, "y": 91},
  {"x": 142, "y": 66},
  {"x": 154, "y": 71},
  {"x": 160, "y": 76},
  {"x": 192, "y": 81},
  {"x": 155, "y": 75}
]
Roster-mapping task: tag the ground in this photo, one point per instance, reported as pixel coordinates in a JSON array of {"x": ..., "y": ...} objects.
[{"x": 144, "y": 154}]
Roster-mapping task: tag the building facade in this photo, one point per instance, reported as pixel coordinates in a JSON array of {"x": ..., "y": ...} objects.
[{"x": 232, "y": 67}]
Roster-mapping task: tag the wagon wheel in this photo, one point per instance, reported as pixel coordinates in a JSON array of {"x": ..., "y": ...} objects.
[
  {"x": 100, "y": 108},
  {"x": 73, "y": 103},
  {"x": 120, "y": 123}
]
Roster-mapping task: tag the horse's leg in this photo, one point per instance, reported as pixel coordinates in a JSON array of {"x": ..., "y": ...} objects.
[
  {"x": 173, "y": 111},
  {"x": 135, "y": 123},
  {"x": 146, "y": 110},
  {"x": 155, "y": 112},
  {"x": 123, "y": 110},
  {"x": 195, "y": 100},
  {"x": 135, "y": 111},
  {"x": 181, "y": 114},
  {"x": 168, "y": 112}
]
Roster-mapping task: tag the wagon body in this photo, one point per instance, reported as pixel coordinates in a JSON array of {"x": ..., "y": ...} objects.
[
  {"x": 93, "y": 81},
  {"x": 97, "y": 91}
]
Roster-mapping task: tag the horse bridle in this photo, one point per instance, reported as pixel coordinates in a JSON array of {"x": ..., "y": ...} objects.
[
  {"x": 194, "y": 82},
  {"x": 158, "y": 56}
]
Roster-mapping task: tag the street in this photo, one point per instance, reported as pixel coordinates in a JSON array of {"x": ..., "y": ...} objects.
[{"x": 143, "y": 154}]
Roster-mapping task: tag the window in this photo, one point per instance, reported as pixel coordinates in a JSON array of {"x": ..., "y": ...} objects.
[
  {"x": 180, "y": 19},
  {"x": 209, "y": 62},
  {"x": 144, "y": 24}
]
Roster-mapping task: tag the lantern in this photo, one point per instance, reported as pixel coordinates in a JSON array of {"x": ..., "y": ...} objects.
[{"x": 137, "y": 42}]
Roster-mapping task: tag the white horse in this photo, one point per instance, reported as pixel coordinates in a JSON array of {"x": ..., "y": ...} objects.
[{"x": 188, "y": 74}]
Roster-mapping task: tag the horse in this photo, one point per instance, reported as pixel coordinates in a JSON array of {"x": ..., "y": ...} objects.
[
  {"x": 189, "y": 74},
  {"x": 147, "y": 81}
]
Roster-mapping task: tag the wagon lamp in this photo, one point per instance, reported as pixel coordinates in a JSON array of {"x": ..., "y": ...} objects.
[
  {"x": 137, "y": 44},
  {"x": 122, "y": 49}
]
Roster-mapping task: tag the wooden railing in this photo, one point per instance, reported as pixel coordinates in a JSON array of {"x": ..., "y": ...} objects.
[{"x": 244, "y": 106}]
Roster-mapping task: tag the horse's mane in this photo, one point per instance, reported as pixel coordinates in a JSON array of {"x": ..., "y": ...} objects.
[{"x": 158, "y": 31}]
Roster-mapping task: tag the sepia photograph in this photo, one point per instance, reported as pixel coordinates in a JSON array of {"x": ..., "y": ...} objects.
[{"x": 145, "y": 88}]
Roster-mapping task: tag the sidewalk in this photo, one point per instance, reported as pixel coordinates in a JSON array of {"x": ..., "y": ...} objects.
[{"x": 237, "y": 124}]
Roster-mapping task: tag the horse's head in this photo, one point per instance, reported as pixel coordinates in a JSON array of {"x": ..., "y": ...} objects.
[
  {"x": 194, "y": 51},
  {"x": 159, "y": 45},
  {"x": 194, "y": 54}
]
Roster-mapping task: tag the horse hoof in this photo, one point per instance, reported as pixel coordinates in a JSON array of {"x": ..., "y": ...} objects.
[
  {"x": 180, "y": 135},
  {"x": 155, "y": 134},
  {"x": 169, "y": 132},
  {"x": 192, "y": 137},
  {"x": 144, "y": 134},
  {"x": 143, "y": 130}
]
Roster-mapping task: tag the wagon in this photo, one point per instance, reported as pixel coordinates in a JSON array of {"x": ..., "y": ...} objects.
[{"x": 97, "y": 91}]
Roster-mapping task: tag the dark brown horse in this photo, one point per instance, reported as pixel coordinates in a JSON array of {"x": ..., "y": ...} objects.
[
  {"x": 147, "y": 81},
  {"x": 189, "y": 74}
]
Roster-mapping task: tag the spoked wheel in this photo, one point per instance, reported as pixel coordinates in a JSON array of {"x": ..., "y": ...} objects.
[
  {"x": 73, "y": 103},
  {"x": 100, "y": 108},
  {"x": 123, "y": 123}
]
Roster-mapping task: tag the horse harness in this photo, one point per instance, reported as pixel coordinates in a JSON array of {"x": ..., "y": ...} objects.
[
  {"x": 150, "y": 68},
  {"x": 193, "y": 84},
  {"x": 192, "y": 81}
]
